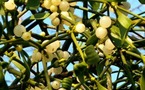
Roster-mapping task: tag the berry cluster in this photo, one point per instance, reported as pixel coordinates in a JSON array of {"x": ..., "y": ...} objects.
[
  {"x": 101, "y": 32},
  {"x": 56, "y": 6}
]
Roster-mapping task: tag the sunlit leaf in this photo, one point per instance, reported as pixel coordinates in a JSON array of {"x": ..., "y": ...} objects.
[
  {"x": 100, "y": 87},
  {"x": 19, "y": 64},
  {"x": 116, "y": 40},
  {"x": 33, "y": 4},
  {"x": 39, "y": 16},
  {"x": 120, "y": 31},
  {"x": 123, "y": 23},
  {"x": 123, "y": 20}
]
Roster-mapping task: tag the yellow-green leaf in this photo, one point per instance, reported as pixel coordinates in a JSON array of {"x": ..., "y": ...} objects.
[
  {"x": 39, "y": 16},
  {"x": 142, "y": 81},
  {"x": 100, "y": 87},
  {"x": 123, "y": 20}
]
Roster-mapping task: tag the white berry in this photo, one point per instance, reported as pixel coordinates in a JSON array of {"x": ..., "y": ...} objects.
[
  {"x": 61, "y": 89},
  {"x": 55, "y": 84},
  {"x": 126, "y": 5},
  {"x": 42, "y": 33},
  {"x": 55, "y": 2},
  {"x": 47, "y": 4},
  {"x": 50, "y": 48},
  {"x": 65, "y": 55},
  {"x": 64, "y": 6},
  {"x": 26, "y": 36},
  {"x": 19, "y": 47},
  {"x": 60, "y": 54},
  {"x": 101, "y": 32},
  {"x": 53, "y": 8},
  {"x": 109, "y": 45},
  {"x": 55, "y": 21},
  {"x": 36, "y": 56},
  {"x": 80, "y": 28},
  {"x": 19, "y": 30},
  {"x": 10, "y": 5},
  {"x": 105, "y": 21},
  {"x": 57, "y": 70}
]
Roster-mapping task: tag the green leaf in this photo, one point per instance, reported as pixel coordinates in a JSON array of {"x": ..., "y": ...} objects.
[
  {"x": 119, "y": 34},
  {"x": 26, "y": 65},
  {"x": 32, "y": 4},
  {"x": 123, "y": 23},
  {"x": 100, "y": 87},
  {"x": 116, "y": 40},
  {"x": 66, "y": 83},
  {"x": 100, "y": 67},
  {"x": 27, "y": 56},
  {"x": 116, "y": 36},
  {"x": 124, "y": 20},
  {"x": 79, "y": 70},
  {"x": 114, "y": 29},
  {"x": 92, "y": 56},
  {"x": 92, "y": 40},
  {"x": 95, "y": 5},
  {"x": 142, "y": 1},
  {"x": 39, "y": 16}
]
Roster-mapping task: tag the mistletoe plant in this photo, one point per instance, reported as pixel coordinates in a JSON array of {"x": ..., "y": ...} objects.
[{"x": 41, "y": 39}]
